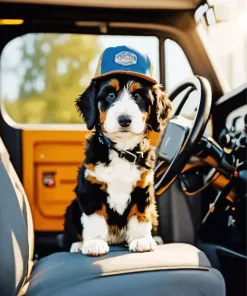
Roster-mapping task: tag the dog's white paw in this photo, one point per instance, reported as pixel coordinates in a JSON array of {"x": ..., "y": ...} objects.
[
  {"x": 145, "y": 244},
  {"x": 95, "y": 247},
  {"x": 76, "y": 247}
]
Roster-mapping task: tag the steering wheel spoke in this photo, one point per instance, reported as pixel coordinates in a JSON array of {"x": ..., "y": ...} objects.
[{"x": 176, "y": 132}]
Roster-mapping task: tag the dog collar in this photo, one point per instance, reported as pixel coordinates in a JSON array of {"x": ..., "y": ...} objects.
[{"x": 132, "y": 156}]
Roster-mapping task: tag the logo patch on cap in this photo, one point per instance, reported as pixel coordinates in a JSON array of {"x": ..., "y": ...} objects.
[{"x": 125, "y": 58}]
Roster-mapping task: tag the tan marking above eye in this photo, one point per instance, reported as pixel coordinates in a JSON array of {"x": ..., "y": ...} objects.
[
  {"x": 115, "y": 83},
  {"x": 134, "y": 86}
]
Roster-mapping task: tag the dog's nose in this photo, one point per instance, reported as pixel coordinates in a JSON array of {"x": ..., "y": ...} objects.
[{"x": 124, "y": 120}]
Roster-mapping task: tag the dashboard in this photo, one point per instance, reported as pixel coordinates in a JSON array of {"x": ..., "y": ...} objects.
[{"x": 226, "y": 224}]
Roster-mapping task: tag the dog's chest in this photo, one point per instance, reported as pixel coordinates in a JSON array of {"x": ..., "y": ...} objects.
[{"x": 120, "y": 176}]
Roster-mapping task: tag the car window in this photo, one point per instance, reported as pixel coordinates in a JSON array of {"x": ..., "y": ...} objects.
[
  {"x": 41, "y": 75},
  {"x": 177, "y": 69}
]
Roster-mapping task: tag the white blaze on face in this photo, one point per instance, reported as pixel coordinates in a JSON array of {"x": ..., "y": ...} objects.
[{"x": 127, "y": 106}]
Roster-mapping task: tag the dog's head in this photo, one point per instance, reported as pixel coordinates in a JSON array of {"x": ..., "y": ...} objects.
[{"x": 124, "y": 104}]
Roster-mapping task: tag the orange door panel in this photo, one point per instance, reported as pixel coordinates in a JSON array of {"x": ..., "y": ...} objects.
[
  {"x": 53, "y": 197},
  {"x": 59, "y": 153},
  {"x": 50, "y": 164}
]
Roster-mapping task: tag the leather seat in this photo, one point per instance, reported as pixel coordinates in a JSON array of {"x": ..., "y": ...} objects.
[{"x": 173, "y": 269}]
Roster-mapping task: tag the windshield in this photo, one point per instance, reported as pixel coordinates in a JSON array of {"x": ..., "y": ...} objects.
[{"x": 227, "y": 41}]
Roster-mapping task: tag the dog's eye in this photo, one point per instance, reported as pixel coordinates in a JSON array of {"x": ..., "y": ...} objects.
[
  {"x": 111, "y": 96},
  {"x": 138, "y": 98}
]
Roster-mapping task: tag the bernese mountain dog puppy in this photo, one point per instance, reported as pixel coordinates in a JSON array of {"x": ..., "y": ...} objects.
[{"x": 115, "y": 200}]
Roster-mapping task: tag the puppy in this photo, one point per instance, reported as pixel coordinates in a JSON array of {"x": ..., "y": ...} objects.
[{"x": 115, "y": 200}]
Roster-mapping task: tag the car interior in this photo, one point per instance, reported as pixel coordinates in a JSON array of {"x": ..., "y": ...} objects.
[{"x": 48, "y": 46}]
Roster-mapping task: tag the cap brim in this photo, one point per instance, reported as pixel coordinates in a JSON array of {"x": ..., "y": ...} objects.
[{"x": 148, "y": 78}]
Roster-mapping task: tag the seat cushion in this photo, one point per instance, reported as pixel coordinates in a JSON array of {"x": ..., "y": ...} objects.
[{"x": 170, "y": 270}]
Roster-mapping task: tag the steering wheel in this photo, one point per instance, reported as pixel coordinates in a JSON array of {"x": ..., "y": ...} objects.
[{"x": 181, "y": 136}]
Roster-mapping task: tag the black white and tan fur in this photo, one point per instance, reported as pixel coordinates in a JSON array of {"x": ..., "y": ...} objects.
[{"x": 115, "y": 196}]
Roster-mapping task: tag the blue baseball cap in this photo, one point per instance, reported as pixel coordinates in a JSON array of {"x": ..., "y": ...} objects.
[{"x": 125, "y": 60}]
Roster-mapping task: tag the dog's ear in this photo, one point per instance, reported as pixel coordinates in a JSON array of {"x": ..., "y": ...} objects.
[
  {"x": 86, "y": 105},
  {"x": 161, "y": 108}
]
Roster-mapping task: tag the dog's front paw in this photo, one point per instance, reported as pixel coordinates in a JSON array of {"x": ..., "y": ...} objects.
[
  {"x": 145, "y": 244},
  {"x": 95, "y": 247}
]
